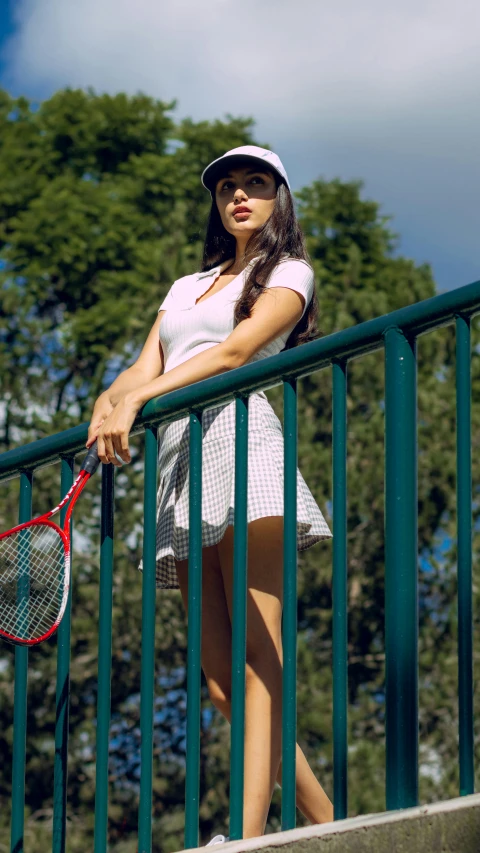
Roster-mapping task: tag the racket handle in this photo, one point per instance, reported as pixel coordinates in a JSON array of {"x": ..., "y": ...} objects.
[{"x": 91, "y": 461}]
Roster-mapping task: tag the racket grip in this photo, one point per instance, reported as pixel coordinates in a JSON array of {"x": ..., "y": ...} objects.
[{"x": 91, "y": 461}]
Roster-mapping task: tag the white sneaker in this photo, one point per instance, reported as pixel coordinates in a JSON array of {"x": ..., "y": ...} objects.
[{"x": 218, "y": 839}]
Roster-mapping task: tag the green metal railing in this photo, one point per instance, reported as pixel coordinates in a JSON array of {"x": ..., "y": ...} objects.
[{"x": 397, "y": 332}]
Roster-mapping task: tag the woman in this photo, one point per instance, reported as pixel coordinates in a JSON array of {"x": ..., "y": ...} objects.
[{"x": 256, "y": 271}]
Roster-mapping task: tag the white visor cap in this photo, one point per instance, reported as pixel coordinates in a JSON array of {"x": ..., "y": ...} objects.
[{"x": 253, "y": 153}]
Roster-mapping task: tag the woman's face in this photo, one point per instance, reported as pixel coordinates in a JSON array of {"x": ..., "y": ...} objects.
[{"x": 246, "y": 187}]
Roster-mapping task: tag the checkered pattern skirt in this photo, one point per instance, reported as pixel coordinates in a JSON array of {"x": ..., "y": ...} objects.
[{"x": 265, "y": 483}]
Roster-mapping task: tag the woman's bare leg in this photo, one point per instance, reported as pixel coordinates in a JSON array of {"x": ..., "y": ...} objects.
[
  {"x": 263, "y": 697},
  {"x": 216, "y": 663},
  {"x": 311, "y": 799}
]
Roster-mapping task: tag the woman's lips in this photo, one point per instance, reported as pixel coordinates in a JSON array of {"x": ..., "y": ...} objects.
[{"x": 242, "y": 214}]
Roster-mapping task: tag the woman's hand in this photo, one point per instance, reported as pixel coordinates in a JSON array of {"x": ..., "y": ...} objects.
[
  {"x": 113, "y": 434},
  {"x": 101, "y": 410}
]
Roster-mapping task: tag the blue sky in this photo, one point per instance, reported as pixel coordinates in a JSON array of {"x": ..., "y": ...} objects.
[
  {"x": 6, "y": 25},
  {"x": 388, "y": 93}
]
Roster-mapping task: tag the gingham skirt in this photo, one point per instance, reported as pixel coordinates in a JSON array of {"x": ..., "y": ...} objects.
[{"x": 265, "y": 483}]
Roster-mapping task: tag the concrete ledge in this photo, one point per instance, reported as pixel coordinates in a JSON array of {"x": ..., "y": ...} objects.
[{"x": 452, "y": 826}]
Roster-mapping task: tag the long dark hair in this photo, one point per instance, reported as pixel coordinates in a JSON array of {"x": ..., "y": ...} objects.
[{"x": 280, "y": 235}]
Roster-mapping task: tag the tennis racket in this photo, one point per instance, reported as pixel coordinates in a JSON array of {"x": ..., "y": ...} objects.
[{"x": 35, "y": 569}]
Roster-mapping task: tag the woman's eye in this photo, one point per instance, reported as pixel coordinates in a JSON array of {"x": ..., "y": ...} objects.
[{"x": 227, "y": 185}]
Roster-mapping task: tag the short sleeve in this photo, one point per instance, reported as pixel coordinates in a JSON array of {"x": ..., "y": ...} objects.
[
  {"x": 168, "y": 302},
  {"x": 295, "y": 274}
]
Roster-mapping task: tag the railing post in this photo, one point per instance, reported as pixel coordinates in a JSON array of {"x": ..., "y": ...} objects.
[
  {"x": 239, "y": 620},
  {"x": 20, "y": 702},
  {"x": 104, "y": 659},
  {"x": 464, "y": 556},
  {"x": 147, "y": 676},
  {"x": 401, "y": 585},
  {"x": 62, "y": 695},
  {"x": 194, "y": 634},
  {"x": 289, "y": 622},
  {"x": 339, "y": 591}
]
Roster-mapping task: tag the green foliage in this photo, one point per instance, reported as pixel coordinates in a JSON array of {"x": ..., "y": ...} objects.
[{"x": 101, "y": 208}]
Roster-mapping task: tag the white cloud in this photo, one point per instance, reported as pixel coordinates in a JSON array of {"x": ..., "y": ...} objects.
[
  {"x": 298, "y": 56},
  {"x": 386, "y": 92}
]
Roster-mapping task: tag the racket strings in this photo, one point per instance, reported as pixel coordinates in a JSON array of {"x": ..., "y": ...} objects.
[{"x": 32, "y": 581}]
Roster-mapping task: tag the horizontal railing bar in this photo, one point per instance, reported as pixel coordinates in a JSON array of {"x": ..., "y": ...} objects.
[
  {"x": 414, "y": 320},
  {"x": 43, "y": 451}
]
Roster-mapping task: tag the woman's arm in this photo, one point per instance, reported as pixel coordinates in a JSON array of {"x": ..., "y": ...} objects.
[
  {"x": 113, "y": 434},
  {"x": 148, "y": 366},
  {"x": 210, "y": 362},
  {"x": 129, "y": 380}
]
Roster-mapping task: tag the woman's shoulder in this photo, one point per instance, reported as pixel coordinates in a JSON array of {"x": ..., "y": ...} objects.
[
  {"x": 294, "y": 273},
  {"x": 298, "y": 264},
  {"x": 289, "y": 268}
]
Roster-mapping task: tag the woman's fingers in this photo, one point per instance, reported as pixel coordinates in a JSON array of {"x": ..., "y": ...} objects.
[
  {"x": 113, "y": 434},
  {"x": 106, "y": 452},
  {"x": 102, "y": 449},
  {"x": 92, "y": 435},
  {"x": 93, "y": 429},
  {"x": 101, "y": 410},
  {"x": 121, "y": 447}
]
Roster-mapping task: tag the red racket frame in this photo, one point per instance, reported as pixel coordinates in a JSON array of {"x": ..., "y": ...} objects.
[{"x": 72, "y": 495}]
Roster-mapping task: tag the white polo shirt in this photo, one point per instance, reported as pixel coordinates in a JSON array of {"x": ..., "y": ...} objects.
[{"x": 187, "y": 329}]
